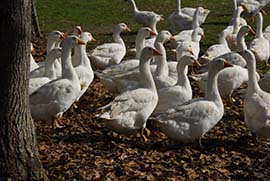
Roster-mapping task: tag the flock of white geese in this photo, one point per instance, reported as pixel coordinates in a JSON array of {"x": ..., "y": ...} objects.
[{"x": 151, "y": 85}]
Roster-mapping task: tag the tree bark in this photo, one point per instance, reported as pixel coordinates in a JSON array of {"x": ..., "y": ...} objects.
[
  {"x": 18, "y": 152},
  {"x": 35, "y": 24}
]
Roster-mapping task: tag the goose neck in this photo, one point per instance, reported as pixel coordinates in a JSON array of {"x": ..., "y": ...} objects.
[
  {"x": 234, "y": 5},
  {"x": 139, "y": 45},
  {"x": 162, "y": 65},
  {"x": 178, "y": 2},
  {"x": 50, "y": 45},
  {"x": 212, "y": 92},
  {"x": 67, "y": 67},
  {"x": 84, "y": 61},
  {"x": 49, "y": 67},
  {"x": 241, "y": 44},
  {"x": 195, "y": 20},
  {"x": 195, "y": 36},
  {"x": 222, "y": 38},
  {"x": 182, "y": 70},
  {"x": 146, "y": 78},
  {"x": 116, "y": 37},
  {"x": 253, "y": 85},
  {"x": 259, "y": 23},
  {"x": 134, "y": 7},
  {"x": 153, "y": 26}
]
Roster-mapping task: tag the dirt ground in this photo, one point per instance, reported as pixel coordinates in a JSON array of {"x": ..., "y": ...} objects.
[{"x": 87, "y": 150}]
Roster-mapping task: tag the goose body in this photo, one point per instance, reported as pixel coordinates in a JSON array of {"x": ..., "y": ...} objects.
[
  {"x": 110, "y": 53},
  {"x": 170, "y": 97},
  {"x": 53, "y": 41},
  {"x": 191, "y": 120},
  {"x": 257, "y": 102},
  {"x": 129, "y": 111},
  {"x": 253, "y": 6},
  {"x": 142, "y": 17},
  {"x": 52, "y": 99},
  {"x": 36, "y": 83}
]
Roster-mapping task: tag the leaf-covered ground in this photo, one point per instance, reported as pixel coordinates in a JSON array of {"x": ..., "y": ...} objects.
[{"x": 87, "y": 150}]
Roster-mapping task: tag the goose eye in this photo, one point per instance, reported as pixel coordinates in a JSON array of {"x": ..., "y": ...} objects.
[{"x": 149, "y": 49}]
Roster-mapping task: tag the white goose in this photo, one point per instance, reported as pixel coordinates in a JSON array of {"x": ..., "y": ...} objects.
[
  {"x": 186, "y": 35},
  {"x": 51, "y": 100},
  {"x": 153, "y": 26},
  {"x": 126, "y": 65},
  {"x": 129, "y": 111},
  {"x": 242, "y": 20},
  {"x": 142, "y": 17},
  {"x": 264, "y": 83},
  {"x": 84, "y": 70},
  {"x": 260, "y": 45},
  {"x": 191, "y": 120},
  {"x": 217, "y": 49},
  {"x": 33, "y": 63},
  {"x": 53, "y": 41},
  {"x": 50, "y": 74},
  {"x": 182, "y": 18},
  {"x": 234, "y": 28},
  {"x": 110, "y": 53},
  {"x": 257, "y": 102},
  {"x": 161, "y": 76},
  {"x": 76, "y": 57},
  {"x": 253, "y": 6},
  {"x": 170, "y": 97}
]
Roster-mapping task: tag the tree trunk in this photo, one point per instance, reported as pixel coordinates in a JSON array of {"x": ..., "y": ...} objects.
[
  {"x": 35, "y": 24},
  {"x": 18, "y": 152}
]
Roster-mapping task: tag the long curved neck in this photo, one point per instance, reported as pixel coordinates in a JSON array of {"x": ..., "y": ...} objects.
[
  {"x": 139, "y": 45},
  {"x": 212, "y": 92},
  {"x": 222, "y": 38},
  {"x": 236, "y": 21},
  {"x": 135, "y": 9},
  {"x": 183, "y": 80},
  {"x": 195, "y": 36},
  {"x": 178, "y": 2},
  {"x": 234, "y": 5},
  {"x": 49, "y": 68},
  {"x": 153, "y": 26},
  {"x": 50, "y": 45},
  {"x": 162, "y": 65},
  {"x": 195, "y": 20},
  {"x": 146, "y": 78},
  {"x": 259, "y": 23},
  {"x": 241, "y": 44},
  {"x": 67, "y": 68},
  {"x": 253, "y": 85},
  {"x": 84, "y": 60}
]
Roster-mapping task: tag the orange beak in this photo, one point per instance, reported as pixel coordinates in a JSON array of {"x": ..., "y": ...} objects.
[
  {"x": 226, "y": 64},
  {"x": 153, "y": 33},
  {"x": 172, "y": 38},
  {"x": 81, "y": 42},
  {"x": 190, "y": 51},
  {"x": 161, "y": 18},
  {"x": 197, "y": 63},
  {"x": 156, "y": 52},
  {"x": 63, "y": 36},
  {"x": 127, "y": 29},
  {"x": 252, "y": 31},
  {"x": 93, "y": 39},
  {"x": 80, "y": 31}
]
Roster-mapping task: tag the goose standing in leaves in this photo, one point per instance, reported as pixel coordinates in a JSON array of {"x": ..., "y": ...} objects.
[{"x": 129, "y": 111}]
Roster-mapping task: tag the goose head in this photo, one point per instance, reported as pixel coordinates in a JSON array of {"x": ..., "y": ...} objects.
[
  {"x": 189, "y": 60},
  {"x": 73, "y": 40},
  {"x": 56, "y": 35},
  {"x": 218, "y": 64},
  {"x": 202, "y": 11},
  {"x": 198, "y": 32},
  {"x": 244, "y": 30},
  {"x": 184, "y": 48},
  {"x": 156, "y": 18},
  {"x": 87, "y": 37},
  {"x": 146, "y": 32},
  {"x": 164, "y": 36},
  {"x": 77, "y": 30},
  {"x": 121, "y": 27},
  {"x": 148, "y": 53}
]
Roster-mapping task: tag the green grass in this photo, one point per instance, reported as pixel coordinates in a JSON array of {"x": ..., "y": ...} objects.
[{"x": 99, "y": 16}]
